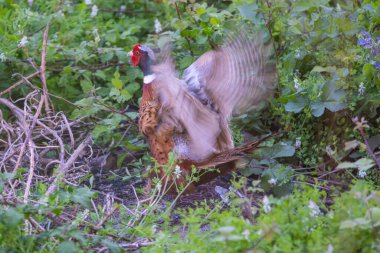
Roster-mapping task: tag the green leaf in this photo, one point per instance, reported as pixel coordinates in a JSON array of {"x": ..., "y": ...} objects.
[
  {"x": 86, "y": 86},
  {"x": 11, "y": 217},
  {"x": 364, "y": 164},
  {"x": 83, "y": 196},
  {"x": 120, "y": 160},
  {"x": 101, "y": 74},
  {"x": 351, "y": 224},
  {"x": 361, "y": 164},
  {"x": 346, "y": 165},
  {"x": 67, "y": 247},
  {"x": 106, "y": 57},
  {"x": 317, "y": 108},
  {"x": 113, "y": 247},
  {"x": 297, "y": 105},
  {"x": 332, "y": 97},
  {"x": 116, "y": 82},
  {"x": 304, "y": 5},
  {"x": 248, "y": 11},
  {"x": 124, "y": 96},
  {"x": 277, "y": 150},
  {"x": 132, "y": 87}
]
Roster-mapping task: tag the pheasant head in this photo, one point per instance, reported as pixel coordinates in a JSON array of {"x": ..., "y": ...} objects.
[{"x": 143, "y": 57}]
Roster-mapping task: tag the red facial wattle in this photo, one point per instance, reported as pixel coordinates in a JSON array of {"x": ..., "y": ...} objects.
[
  {"x": 136, "y": 54},
  {"x": 135, "y": 59}
]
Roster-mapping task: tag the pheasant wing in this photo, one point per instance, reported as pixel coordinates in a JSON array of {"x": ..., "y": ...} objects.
[
  {"x": 234, "y": 78},
  {"x": 184, "y": 114}
]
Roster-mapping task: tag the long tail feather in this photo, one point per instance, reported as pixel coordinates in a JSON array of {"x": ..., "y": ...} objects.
[{"x": 225, "y": 161}]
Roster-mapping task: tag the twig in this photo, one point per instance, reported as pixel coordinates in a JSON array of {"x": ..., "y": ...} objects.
[
  {"x": 67, "y": 165},
  {"x": 359, "y": 126},
  {"x": 187, "y": 39},
  {"x": 19, "y": 83},
  {"x": 68, "y": 129},
  {"x": 136, "y": 245},
  {"x": 101, "y": 223},
  {"x": 43, "y": 74},
  {"x": 31, "y": 171},
  {"x": 29, "y": 133}
]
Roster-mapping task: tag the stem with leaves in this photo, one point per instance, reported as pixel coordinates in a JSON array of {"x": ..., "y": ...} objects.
[{"x": 360, "y": 125}]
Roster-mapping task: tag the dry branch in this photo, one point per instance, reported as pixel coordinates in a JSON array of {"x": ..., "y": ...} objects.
[
  {"x": 67, "y": 165},
  {"x": 19, "y": 83},
  {"x": 43, "y": 74}
]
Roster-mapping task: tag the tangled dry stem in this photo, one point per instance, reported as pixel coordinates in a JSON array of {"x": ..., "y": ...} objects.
[{"x": 41, "y": 145}]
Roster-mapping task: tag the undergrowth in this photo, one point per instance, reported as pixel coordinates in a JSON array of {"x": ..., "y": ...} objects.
[{"x": 312, "y": 188}]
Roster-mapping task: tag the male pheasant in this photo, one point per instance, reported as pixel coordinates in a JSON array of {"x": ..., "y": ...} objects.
[{"x": 190, "y": 116}]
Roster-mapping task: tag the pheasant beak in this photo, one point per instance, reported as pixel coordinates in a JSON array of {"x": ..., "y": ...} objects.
[{"x": 130, "y": 54}]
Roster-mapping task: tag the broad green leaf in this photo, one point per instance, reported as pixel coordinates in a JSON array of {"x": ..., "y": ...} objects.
[
  {"x": 361, "y": 164},
  {"x": 116, "y": 82},
  {"x": 248, "y": 11},
  {"x": 317, "y": 108},
  {"x": 346, "y": 165},
  {"x": 332, "y": 97},
  {"x": 83, "y": 196},
  {"x": 105, "y": 57},
  {"x": 86, "y": 86},
  {"x": 364, "y": 164},
  {"x": 67, "y": 247},
  {"x": 132, "y": 87},
  {"x": 351, "y": 224},
  {"x": 11, "y": 217},
  {"x": 297, "y": 105},
  {"x": 304, "y": 5},
  {"x": 112, "y": 246}
]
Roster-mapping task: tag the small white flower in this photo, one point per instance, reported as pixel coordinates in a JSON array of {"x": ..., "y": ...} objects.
[
  {"x": 338, "y": 8},
  {"x": 297, "y": 84},
  {"x": 96, "y": 35},
  {"x": 362, "y": 173},
  {"x": 223, "y": 194},
  {"x": 94, "y": 11},
  {"x": 23, "y": 42},
  {"x": 3, "y": 58},
  {"x": 298, "y": 143},
  {"x": 177, "y": 171},
  {"x": 361, "y": 89},
  {"x": 123, "y": 8},
  {"x": 246, "y": 234},
  {"x": 259, "y": 232},
  {"x": 157, "y": 26},
  {"x": 88, "y": 2},
  {"x": 314, "y": 208},
  {"x": 20, "y": 30},
  {"x": 266, "y": 205},
  {"x": 159, "y": 185},
  {"x": 30, "y": 3},
  {"x": 298, "y": 53},
  {"x": 272, "y": 181},
  {"x": 329, "y": 151}
]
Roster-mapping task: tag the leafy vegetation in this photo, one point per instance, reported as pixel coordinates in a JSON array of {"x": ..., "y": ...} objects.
[{"x": 313, "y": 188}]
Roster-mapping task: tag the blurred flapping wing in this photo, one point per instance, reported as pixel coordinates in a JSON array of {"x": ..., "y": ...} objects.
[
  {"x": 234, "y": 78},
  {"x": 183, "y": 114}
]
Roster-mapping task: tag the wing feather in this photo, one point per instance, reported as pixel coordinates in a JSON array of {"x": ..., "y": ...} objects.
[
  {"x": 234, "y": 78},
  {"x": 185, "y": 114}
]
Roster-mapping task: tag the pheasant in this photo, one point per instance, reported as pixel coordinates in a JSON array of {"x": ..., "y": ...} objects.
[{"x": 190, "y": 116}]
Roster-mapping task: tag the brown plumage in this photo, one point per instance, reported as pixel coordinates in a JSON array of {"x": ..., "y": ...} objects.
[{"x": 190, "y": 116}]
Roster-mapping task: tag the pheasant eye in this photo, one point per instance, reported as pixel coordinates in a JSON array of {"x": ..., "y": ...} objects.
[{"x": 137, "y": 53}]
